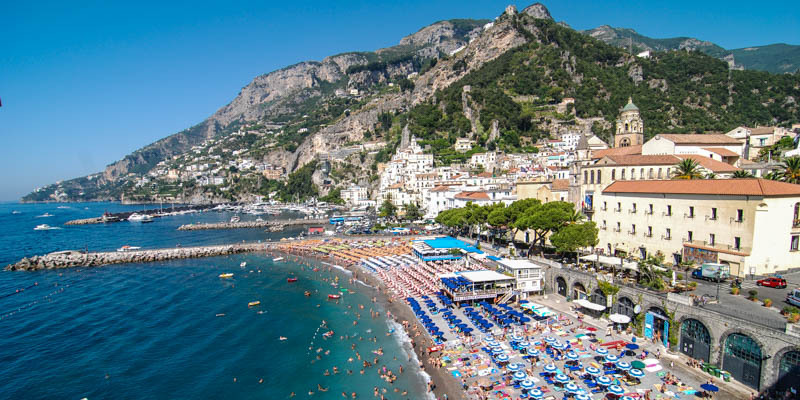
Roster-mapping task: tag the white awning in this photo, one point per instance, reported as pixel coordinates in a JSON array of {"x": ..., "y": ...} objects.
[
  {"x": 610, "y": 261},
  {"x": 588, "y": 304},
  {"x": 619, "y": 318}
]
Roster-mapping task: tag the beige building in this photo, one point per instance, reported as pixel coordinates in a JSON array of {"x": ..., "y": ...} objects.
[
  {"x": 697, "y": 144},
  {"x": 750, "y": 224},
  {"x": 543, "y": 190},
  {"x": 758, "y": 138},
  {"x": 630, "y": 126}
]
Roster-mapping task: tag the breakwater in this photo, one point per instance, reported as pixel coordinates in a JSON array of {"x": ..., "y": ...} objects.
[
  {"x": 123, "y": 216},
  {"x": 272, "y": 225},
  {"x": 69, "y": 259}
]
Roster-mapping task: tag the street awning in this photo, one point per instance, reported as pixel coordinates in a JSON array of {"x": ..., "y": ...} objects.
[
  {"x": 588, "y": 304},
  {"x": 610, "y": 261}
]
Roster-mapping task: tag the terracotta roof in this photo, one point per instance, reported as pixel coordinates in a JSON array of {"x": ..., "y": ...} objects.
[
  {"x": 440, "y": 188},
  {"x": 472, "y": 196},
  {"x": 721, "y": 151},
  {"x": 762, "y": 130},
  {"x": 559, "y": 184},
  {"x": 710, "y": 164},
  {"x": 396, "y": 186},
  {"x": 617, "y": 151},
  {"x": 722, "y": 187},
  {"x": 484, "y": 175},
  {"x": 637, "y": 159},
  {"x": 698, "y": 138}
]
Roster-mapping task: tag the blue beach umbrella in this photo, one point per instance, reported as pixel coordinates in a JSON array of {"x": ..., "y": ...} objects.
[
  {"x": 709, "y": 387},
  {"x": 551, "y": 368},
  {"x": 623, "y": 365},
  {"x": 571, "y": 387},
  {"x": 498, "y": 350},
  {"x": 572, "y": 356},
  {"x": 526, "y": 384},
  {"x": 524, "y": 345},
  {"x": 610, "y": 358},
  {"x": 601, "y": 351},
  {"x": 631, "y": 346},
  {"x": 533, "y": 352},
  {"x": 557, "y": 345},
  {"x": 561, "y": 378},
  {"x": 636, "y": 373},
  {"x": 466, "y": 330},
  {"x": 501, "y": 358},
  {"x": 581, "y": 396},
  {"x": 593, "y": 371},
  {"x": 516, "y": 338},
  {"x": 515, "y": 366},
  {"x": 524, "y": 319},
  {"x": 519, "y": 375},
  {"x": 616, "y": 390},
  {"x": 550, "y": 339},
  {"x": 603, "y": 381},
  {"x": 535, "y": 394}
]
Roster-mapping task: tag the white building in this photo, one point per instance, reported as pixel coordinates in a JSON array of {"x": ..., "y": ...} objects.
[
  {"x": 354, "y": 194},
  {"x": 529, "y": 276}
]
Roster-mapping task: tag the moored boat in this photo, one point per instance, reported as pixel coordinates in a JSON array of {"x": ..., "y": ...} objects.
[
  {"x": 291, "y": 280},
  {"x": 334, "y": 296},
  {"x": 128, "y": 248},
  {"x": 328, "y": 334},
  {"x": 243, "y": 264},
  {"x": 276, "y": 259},
  {"x": 226, "y": 275},
  {"x": 254, "y": 303},
  {"x": 144, "y": 218}
]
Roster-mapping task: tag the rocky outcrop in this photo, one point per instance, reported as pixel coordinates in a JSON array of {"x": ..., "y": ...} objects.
[
  {"x": 538, "y": 11},
  {"x": 69, "y": 259}
]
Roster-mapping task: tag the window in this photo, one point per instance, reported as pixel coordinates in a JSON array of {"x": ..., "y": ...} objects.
[
  {"x": 691, "y": 211},
  {"x": 795, "y": 243},
  {"x": 659, "y": 173},
  {"x": 649, "y": 231},
  {"x": 599, "y": 176},
  {"x": 633, "y": 210},
  {"x": 650, "y": 174},
  {"x": 633, "y": 174},
  {"x": 669, "y": 210},
  {"x": 613, "y": 174},
  {"x": 591, "y": 174},
  {"x": 737, "y": 243},
  {"x": 622, "y": 175},
  {"x": 604, "y": 224},
  {"x": 739, "y": 215},
  {"x": 690, "y": 236},
  {"x": 605, "y": 206},
  {"x": 796, "y": 219},
  {"x": 619, "y": 206},
  {"x": 714, "y": 213},
  {"x": 712, "y": 238},
  {"x": 668, "y": 234},
  {"x": 633, "y": 229},
  {"x": 650, "y": 208},
  {"x": 585, "y": 176},
  {"x": 619, "y": 227}
]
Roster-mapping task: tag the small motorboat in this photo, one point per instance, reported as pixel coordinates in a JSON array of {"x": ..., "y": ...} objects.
[
  {"x": 291, "y": 280},
  {"x": 226, "y": 275},
  {"x": 243, "y": 264},
  {"x": 44, "y": 227},
  {"x": 126, "y": 248},
  {"x": 276, "y": 259},
  {"x": 328, "y": 334},
  {"x": 143, "y": 218},
  {"x": 16, "y": 212},
  {"x": 334, "y": 296},
  {"x": 254, "y": 303},
  {"x": 45, "y": 215},
  {"x": 235, "y": 219}
]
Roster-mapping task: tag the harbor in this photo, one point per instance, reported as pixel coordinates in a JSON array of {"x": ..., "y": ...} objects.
[
  {"x": 151, "y": 213},
  {"x": 272, "y": 225}
]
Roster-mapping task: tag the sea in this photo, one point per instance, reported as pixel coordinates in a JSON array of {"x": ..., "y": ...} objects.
[{"x": 175, "y": 330}]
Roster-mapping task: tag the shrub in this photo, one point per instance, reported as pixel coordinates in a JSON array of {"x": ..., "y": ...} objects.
[
  {"x": 794, "y": 317},
  {"x": 692, "y": 285},
  {"x": 735, "y": 291},
  {"x": 790, "y": 310},
  {"x": 679, "y": 277},
  {"x": 767, "y": 302},
  {"x": 753, "y": 293}
]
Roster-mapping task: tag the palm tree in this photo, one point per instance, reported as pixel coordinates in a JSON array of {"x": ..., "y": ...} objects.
[
  {"x": 773, "y": 175},
  {"x": 790, "y": 170},
  {"x": 742, "y": 174},
  {"x": 687, "y": 169},
  {"x": 710, "y": 175}
]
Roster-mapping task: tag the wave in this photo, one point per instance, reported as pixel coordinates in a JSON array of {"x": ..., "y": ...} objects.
[{"x": 399, "y": 334}]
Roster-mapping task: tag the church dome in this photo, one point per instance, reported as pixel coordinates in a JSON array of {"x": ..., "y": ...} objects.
[{"x": 630, "y": 106}]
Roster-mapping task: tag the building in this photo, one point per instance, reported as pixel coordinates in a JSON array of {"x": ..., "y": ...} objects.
[
  {"x": 699, "y": 144},
  {"x": 529, "y": 276},
  {"x": 753, "y": 225},
  {"x": 630, "y": 126},
  {"x": 354, "y": 194},
  {"x": 543, "y": 190},
  {"x": 464, "y": 145},
  {"x": 758, "y": 138}
]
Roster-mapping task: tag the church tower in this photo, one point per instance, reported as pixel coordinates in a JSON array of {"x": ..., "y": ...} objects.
[{"x": 630, "y": 127}]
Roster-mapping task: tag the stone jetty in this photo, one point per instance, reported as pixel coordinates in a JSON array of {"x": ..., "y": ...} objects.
[
  {"x": 68, "y": 259},
  {"x": 272, "y": 225},
  {"x": 85, "y": 221}
]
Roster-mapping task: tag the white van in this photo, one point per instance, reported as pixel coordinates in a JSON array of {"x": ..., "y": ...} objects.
[{"x": 793, "y": 297}]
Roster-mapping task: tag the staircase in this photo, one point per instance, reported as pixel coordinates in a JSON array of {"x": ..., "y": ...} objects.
[{"x": 505, "y": 297}]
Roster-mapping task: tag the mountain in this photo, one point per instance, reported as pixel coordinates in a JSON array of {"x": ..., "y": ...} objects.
[
  {"x": 775, "y": 58},
  {"x": 498, "y": 82}
]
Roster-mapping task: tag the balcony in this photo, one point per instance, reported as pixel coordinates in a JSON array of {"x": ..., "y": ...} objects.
[
  {"x": 632, "y": 211},
  {"x": 587, "y": 210},
  {"x": 711, "y": 217},
  {"x": 603, "y": 227},
  {"x": 666, "y": 214},
  {"x": 665, "y": 237},
  {"x": 796, "y": 223},
  {"x": 648, "y": 212},
  {"x": 617, "y": 210},
  {"x": 617, "y": 230},
  {"x": 690, "y": 216},
  {"x": 649, "y": 235},
  {"x": 737, "y": 220},
  {"x": 718, "y": 246},
  {"x": 632, "y": 233}
]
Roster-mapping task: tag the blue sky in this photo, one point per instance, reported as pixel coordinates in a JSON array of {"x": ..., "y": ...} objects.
[{"x": 85, "y": 83}]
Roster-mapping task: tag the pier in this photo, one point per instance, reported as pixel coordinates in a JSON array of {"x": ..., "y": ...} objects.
[
  {"x": 123, "y": 216},
  {"x": 70, "y": 258},
  {"x": 274, "y": 225}
]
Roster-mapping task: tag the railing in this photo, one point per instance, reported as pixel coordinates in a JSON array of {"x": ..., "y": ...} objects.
[
  {"x": 603, "y": 227},
  {"x": 617, "y": 210},
  {"x": 711, "y": 217},
  {"x": 690, "y": 216},
  {"x": 631, "y": 233},
  {"x": 648, "y": 235},
  {"x": 737, "y": 220},
  {"x": 666, "y": 214},
  {"x": 632, "y": 211},
  {"x": 648, "y": 212},
  {"x": 588, "y": 210},
  {"x": 617, "y": 230},
  {"x": 665, "y": 237}
]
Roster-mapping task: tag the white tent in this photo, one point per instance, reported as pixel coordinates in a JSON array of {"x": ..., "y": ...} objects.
[
  {"x": 610, "y": 261},
  {"x": 588, "y": 304}
]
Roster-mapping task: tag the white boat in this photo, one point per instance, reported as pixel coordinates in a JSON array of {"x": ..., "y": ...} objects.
[
  {"x": 128, "y": 248},
  {"x": 45, "y": 227},
  {"x": 44, "y": 215},
  {"x": 276, "y": 259},
  {"x": 63, "y": 207},
  {"x": 140, "y": 218},
  {"x": 226, "y": 275},
  {"x": 16, "y": 212},
  {"x": 235, "y": 219},
  {"x": 243, "y": 264}
]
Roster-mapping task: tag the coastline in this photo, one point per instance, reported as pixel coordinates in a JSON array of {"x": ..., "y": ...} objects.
[{"x": 444, "y": 384}]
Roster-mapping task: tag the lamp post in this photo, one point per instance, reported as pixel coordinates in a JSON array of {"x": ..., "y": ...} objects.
[{"x": 719, "y": 275}]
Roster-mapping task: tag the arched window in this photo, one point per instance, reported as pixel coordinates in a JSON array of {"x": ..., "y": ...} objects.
[
  {"x": 591, "y": 174},
  {"x": 613, "y": 174},
  {"x": 599, "y": 176},
  {"x": 641, "y": 174},
  {"x": 626, "y": 127},
  {"x": 659, "y": 173},
  {"x": 622, "y": 175},
  {"x": 633, "y": 174},
  {"x": 650, "y": 174}
]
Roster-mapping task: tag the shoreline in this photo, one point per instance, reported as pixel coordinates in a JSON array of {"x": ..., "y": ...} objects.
[{"x": 444, "y": 383}]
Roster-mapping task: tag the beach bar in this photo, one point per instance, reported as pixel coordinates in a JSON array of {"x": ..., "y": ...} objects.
[
  {"x": 441, "y": 249},
  {"x": 475, "y": 285}
]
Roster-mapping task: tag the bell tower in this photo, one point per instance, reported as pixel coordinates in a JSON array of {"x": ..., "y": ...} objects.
[{"x": 630, "y": 127}]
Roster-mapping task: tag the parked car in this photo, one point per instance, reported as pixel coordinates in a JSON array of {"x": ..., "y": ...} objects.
[{"x": 772, "y": 282}]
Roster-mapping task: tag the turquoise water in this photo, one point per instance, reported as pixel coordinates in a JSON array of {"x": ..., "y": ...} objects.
[{"x": 156, "y": 331}]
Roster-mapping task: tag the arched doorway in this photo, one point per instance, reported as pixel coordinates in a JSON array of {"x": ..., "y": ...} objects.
[
  {"x": 561, "y": 286},
  {"x": 625, "y": 306},
  {"x": 742, "y": 358},
  {"x": 788, "y": 370},
  {"x": 656, "y": 324},
  {"x": 578, "y": 291},
  {"x": 695, "y": 340},
  {"x": 598, "y": 297}
]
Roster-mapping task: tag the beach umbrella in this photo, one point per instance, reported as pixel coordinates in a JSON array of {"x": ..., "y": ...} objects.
[
  {"x": 636, "y": 373},
  {"x": 497, "y": 350},
  {"x": 557, "y": 345},
  {"x": 610, "y": 358},
  {"x": 462, "y": 326},
  {"x": 591, "y": 329},
  {"x": 526, "y": 384},
  {"x": 516, "y": 338},
  {"x": 593, "y": 371},
  {"x": 581, "y": 396},
  {"x": 709, "y": 387},
  {"x": 533, "y": 352},
  {"x": 524, "y": 345},
  {"x": 466, "y": 330},
  {"x": 551, "y": 368},
  {"x": 535, "y": 394},
  {"x": 626, "y": 398},
  {"x": 501, "y": 358},
  {"x": 616, "y": 390},
  {"x": 631, "y": 346},
  {"x": 601, "y": 351},
  {"x": 561, "y": 378},
  {"x": 572, "y": 356},
  {"x": 519, "y": 375},
  {"x": 623, "y": 365},
  {"x": 571, "y": 387},
  {"x": 550, "y": 339},
  {"x": 603, "y": 380},
  {"x": 524, "y": 319},
  {"x": 638, "y": 364}
]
